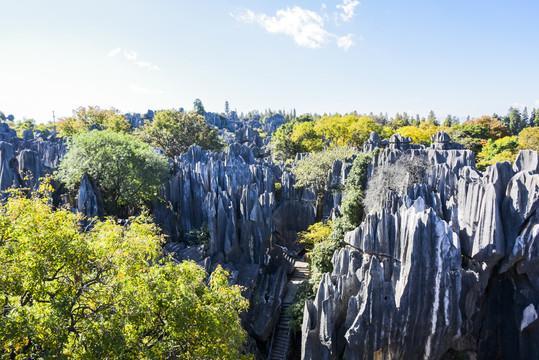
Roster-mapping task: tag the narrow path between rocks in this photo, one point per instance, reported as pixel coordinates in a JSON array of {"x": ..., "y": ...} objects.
[{"x": 280, "y": 342}]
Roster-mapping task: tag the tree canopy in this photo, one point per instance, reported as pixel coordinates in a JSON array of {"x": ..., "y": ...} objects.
[
  {"x": 127, "y": 171},
  {"x": 106, "y": 293},
  {"x": 92, "y": 117},
  {"x": 174, "y": 131}
]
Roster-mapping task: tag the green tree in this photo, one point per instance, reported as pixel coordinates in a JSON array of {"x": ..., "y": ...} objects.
[
  {"x": 282, "y": 145},
  {"x": 107, "y": 293},
  {"x": 198, "y": 107},
  {"x": 174, "y": 132},
  {"x": 127, "y": 171},
  {"x": 514, "y": 121},
  {"x": 450, "y": 121},
  {"x": 431, "y": 118}
]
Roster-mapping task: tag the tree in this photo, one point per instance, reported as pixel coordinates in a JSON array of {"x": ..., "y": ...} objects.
[
  {"x": 107, "y": 293},
  {"x": 504, "y": 149},
  {"x": 313, "y": 170},
  {"x": 174, "y": 132},
  {"x": 198, "y": 107},
  {"x": 421, "y": 134},
  {"x": 282, "y": 145},
  {"x": 514, "y": 121},
  {"x": 450, "y": 121},
  {"x": 473, "y": 134},
  {"x": 304, "y": 134},
  {"x": 431, "y": 118},
  {"x": 534, "y": 117},
  {"x": 127, "y": 171},
  {"x": 90, "y": 118},
  {"x": 529, "y": 138}
]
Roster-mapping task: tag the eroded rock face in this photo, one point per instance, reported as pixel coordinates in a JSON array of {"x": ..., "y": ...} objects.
[{"x": 449, "y": 268}]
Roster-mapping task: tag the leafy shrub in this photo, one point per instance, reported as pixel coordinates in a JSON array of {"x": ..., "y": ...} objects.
[
  {"x": 197, "y": 237},
  {"x": 305, "y": 292},
  {"x": 315, "y": 233}
]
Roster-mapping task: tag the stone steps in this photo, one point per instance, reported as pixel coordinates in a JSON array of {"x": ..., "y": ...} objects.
[{"x": 281, "y": 339}]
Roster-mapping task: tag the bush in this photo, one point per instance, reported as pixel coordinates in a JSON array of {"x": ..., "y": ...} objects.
[
  {"x": 352, "y": 204},
  {"x": 305, "y": 292},
  {"x": 174, "y": 132},
  {"x": 315, "y": 233},
  {"x": 198, "y": 237},
  {"x": 504, "y": 149},
  {"x": 394, "y": 177},
  {"x": 107, "y": 293},
  {"x": 127, "y": 171}
]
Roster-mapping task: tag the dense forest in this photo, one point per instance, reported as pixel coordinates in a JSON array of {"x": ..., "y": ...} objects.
[{"x": 177, "y": 234}]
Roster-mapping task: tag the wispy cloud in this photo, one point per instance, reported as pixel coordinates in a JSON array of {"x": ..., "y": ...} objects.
[
  {"x": 347, "y": 9},
  {"x": 345, "y": 42},
  {"x": 305, "y": 27},
  {"x": 132, "y": 57}
]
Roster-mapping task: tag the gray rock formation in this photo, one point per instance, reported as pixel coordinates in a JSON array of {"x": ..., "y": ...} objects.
[
  {"x": 88, "y": 199},
  {"x": 447, "y": 268}
]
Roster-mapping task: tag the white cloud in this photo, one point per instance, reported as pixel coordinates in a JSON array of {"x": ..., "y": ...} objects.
[
  {"x": 348, "y": 9},
  {"x": 132, "y": 57},
  {"x": 345, "y": 42},
  {"x": 114, "y": 52},
  {"x": 305, "y": 27}
]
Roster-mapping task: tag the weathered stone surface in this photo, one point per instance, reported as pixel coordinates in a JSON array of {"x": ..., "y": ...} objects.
[
  {"x": 446, "y": 269},
  {"x": 88, "y": 199}
]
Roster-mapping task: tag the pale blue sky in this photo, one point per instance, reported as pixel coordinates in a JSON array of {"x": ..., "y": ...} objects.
[{"x": 453, "y": 56}]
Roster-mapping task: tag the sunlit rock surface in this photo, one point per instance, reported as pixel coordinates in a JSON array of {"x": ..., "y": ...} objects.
[{"x": 449, "y": 269}]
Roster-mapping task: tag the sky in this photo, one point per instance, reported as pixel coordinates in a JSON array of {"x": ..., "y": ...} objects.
[{"x": 459, "y": 57}]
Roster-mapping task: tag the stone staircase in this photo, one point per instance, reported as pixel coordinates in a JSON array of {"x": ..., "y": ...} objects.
[{"x": 280, "y": 342}]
